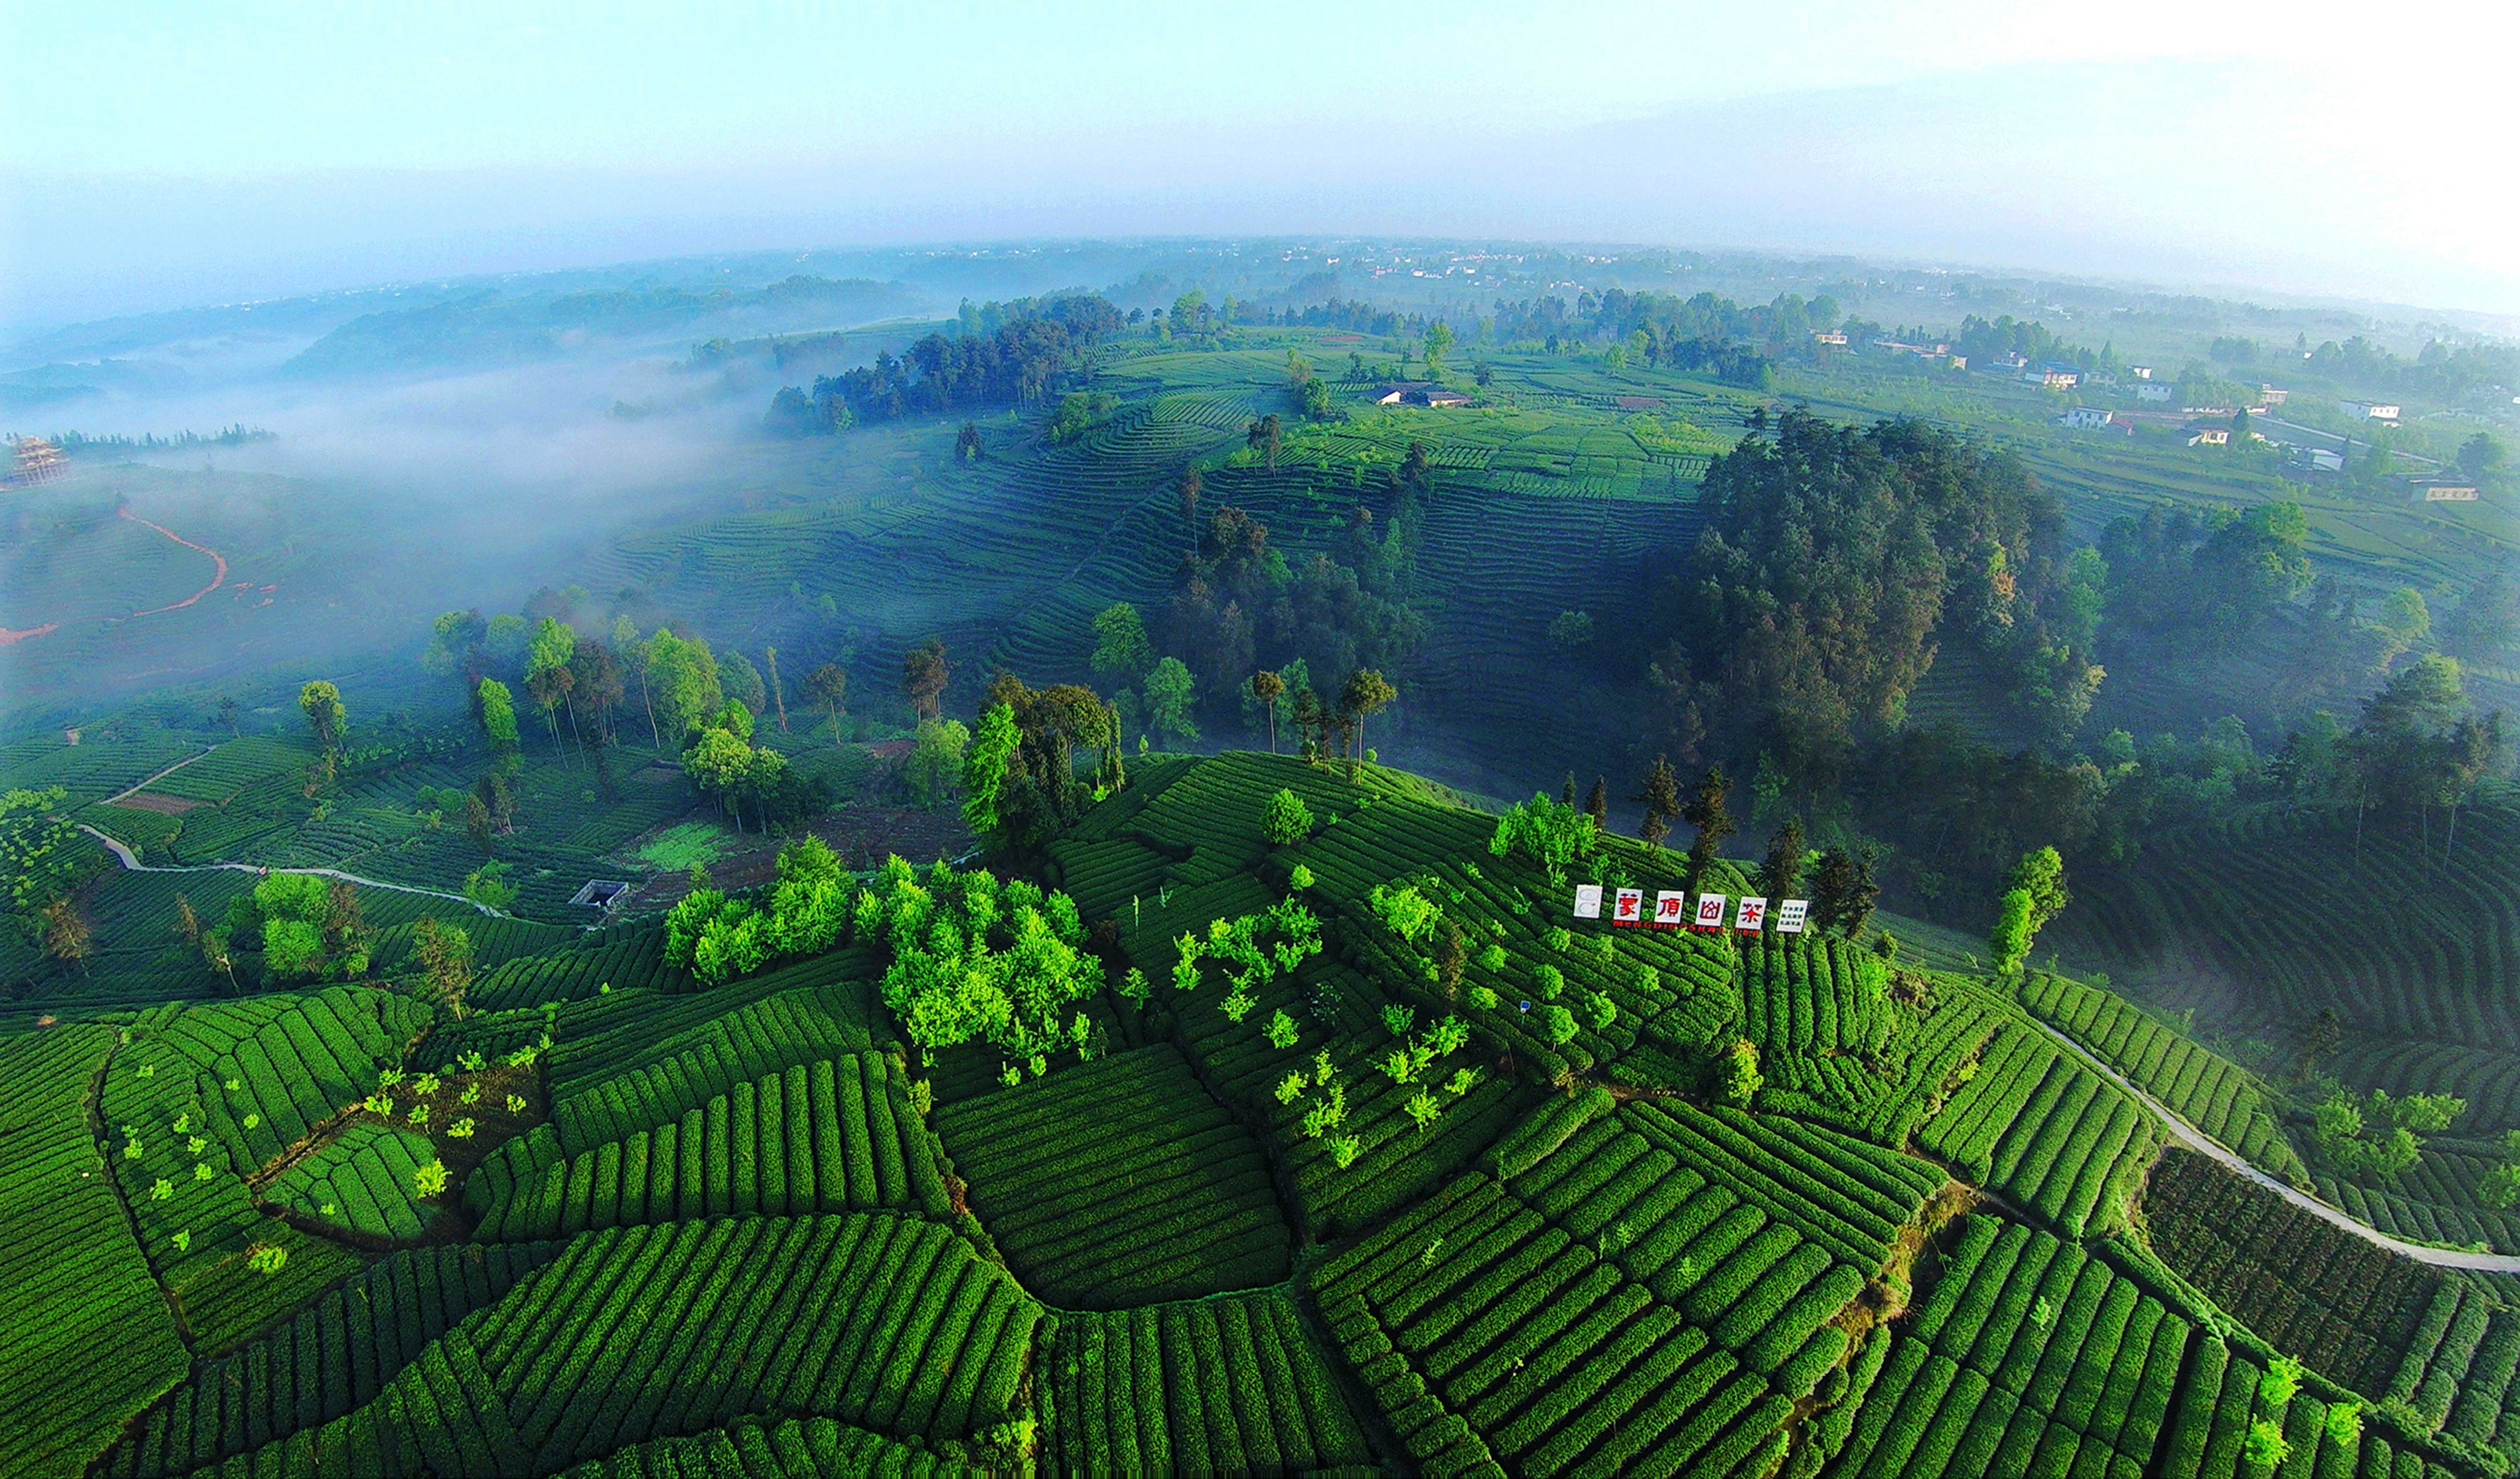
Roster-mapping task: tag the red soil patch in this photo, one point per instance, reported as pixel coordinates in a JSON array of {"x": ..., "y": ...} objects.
[
  {"x": 217, "y": 580},
  {"x": 165, "y": 806},
  {"x": 6, "y": 635}
]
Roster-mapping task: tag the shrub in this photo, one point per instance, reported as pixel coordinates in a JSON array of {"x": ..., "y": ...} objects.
[
  {"x": 1483, "y": 998},
  {"x": 1558, "y": 1024},
  {"x": 1300, "y": 879},
  {"x": 1281, "y": 1029},
  {"x": 429, "y": 1180},
  {"x": 1549, "y": 980},
  {"x": 1741, "y": 1076},
  {"x": 266, "y": 1258},
  {"x": 2266, "y": 1448},
  {"x": 1603, "y": 1011},
  {"x": 1286, "y": 819},
  {"x": 1492, "y": 958}
]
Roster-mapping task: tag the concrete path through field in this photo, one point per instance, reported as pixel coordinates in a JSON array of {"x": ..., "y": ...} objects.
[
  {"x": 2197, "y": 1141},
  {"x": 132, "y": 863}
]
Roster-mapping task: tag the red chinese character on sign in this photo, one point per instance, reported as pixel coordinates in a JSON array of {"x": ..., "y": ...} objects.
[
  {"x": 1710, "y": 911},
  {"x": 1630, "y": 907},
  {"x": 1671, "y": 909}
]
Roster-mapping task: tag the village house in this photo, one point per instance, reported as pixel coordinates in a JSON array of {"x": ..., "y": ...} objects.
[
  {"x": 2087, "y": 418},
  {"x": 2443, "y": 490}
]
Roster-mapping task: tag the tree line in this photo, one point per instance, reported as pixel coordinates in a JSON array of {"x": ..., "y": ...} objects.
[{"x": 1035, "y": 343}]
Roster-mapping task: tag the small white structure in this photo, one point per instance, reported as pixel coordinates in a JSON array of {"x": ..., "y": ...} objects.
[
  {"x": 2140, "y": 371},
  {"x": 2154, "y": 390},
  {"x": 2087, "y": 418},
  {"x": 2369, "y": 410},
  {"x": 2443, "y": 490},
  {"x": 2211, "y": 437},
  {"x": 2273, "y": 397}
]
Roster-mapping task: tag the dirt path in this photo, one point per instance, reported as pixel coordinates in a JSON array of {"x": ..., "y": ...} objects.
[
  {"x": 8, "y": 637},
  {"x": 217, "y": 580},
  {"x": 124, "y": 855},
  {"x": 2203, "y": 1145},
  {"x": 154, "y": 780}
]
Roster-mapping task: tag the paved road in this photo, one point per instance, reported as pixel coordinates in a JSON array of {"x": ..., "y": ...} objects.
[
  {"x": 2203, "y": 1145},
  {"x": 136, "y": 866}
]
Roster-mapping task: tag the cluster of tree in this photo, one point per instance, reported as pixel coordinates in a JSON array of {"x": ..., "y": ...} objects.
[
  {"x": 2379, "y": 1136},
  {"x": 723, "y": 762},
  {"x": 720, "y": 938},
  {"x": 1037, "y": 342},
  {"x": 975, "y": 959},
  {"x": 2034, "y": 895},
  {"x": 1356, "y": 315},
  {"x": 2458, "y": 373},
  {"x": 1079, "y": 412},
  {"x": 1986, "y": 341},
  {"x": 1699, "y": 332},
  {"x": 1961, "y": 811},
  {"x": 44, "y": 860},
  {"x": 1019, "y": 781},
  {"x": 304, "y": 928},
  {"x": 1336, "y": 611},
  {"x": 2175, "y": 578},
  {"x": 1831, "y": 562}
]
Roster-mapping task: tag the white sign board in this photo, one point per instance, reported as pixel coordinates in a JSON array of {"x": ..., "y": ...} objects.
[
  {"x": 1671, "y": 909},
  {"x": 1630, "y": 907},
  {"x": 1710, "y": 911},
  {"x": 1752, "y": 914},
  {"x": 1588, "y": 900},
  {"x": 1790, "y": 915}
]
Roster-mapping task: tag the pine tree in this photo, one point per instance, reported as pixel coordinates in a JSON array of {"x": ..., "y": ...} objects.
[
  {"x": 1661, "y": 798},
  {"x": 1713, "y": 820},
  {"x": 1783, "y": 871},
  {"x": 1597, "y": 805}
]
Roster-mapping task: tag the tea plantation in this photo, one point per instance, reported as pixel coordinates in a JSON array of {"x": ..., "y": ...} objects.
[{"x": 1356, "y": 1153}]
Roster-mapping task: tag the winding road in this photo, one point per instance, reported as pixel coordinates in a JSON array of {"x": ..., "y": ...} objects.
[
  {"x": 133, "y": 863},
  {"x": 2197, "y": 1141},
  {"x": 217, "y": 580}
]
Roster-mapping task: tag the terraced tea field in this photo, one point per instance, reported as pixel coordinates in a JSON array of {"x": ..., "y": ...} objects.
[{"x": 1340, "y": 1214}]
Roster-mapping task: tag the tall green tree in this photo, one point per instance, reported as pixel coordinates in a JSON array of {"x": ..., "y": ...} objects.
[
  {"x": 1660, "y": 796},
  {"x": 683, "y": 684},
  {"x": 829, "y": 686},
  {"x": 984, "y": 769},
  {"x": 1169, "y": 692},
  {"x": 497, "y": 711},
  {"x": 1781, "y": 873},
  {"x": 923, "y": 676},
  {"x": 1121, "y": 650},
  {"x": 1707, "y": 812},
  {"x": 548, "y": 679},
  {"x": 1266, "y": 687},
  {"x": 1365, "y": 694},
  {"x": 778, "y": 695},
  {"x": 327, "y": 716}
]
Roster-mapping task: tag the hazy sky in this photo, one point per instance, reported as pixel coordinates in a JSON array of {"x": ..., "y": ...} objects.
[{"x": 154, "y": 155}]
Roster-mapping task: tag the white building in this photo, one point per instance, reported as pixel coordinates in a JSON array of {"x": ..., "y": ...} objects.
[
  {"x": 2154, "y": 390},
  {"x": 2086, "y": 418},
  {"x": 2369, "y": 410}
]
